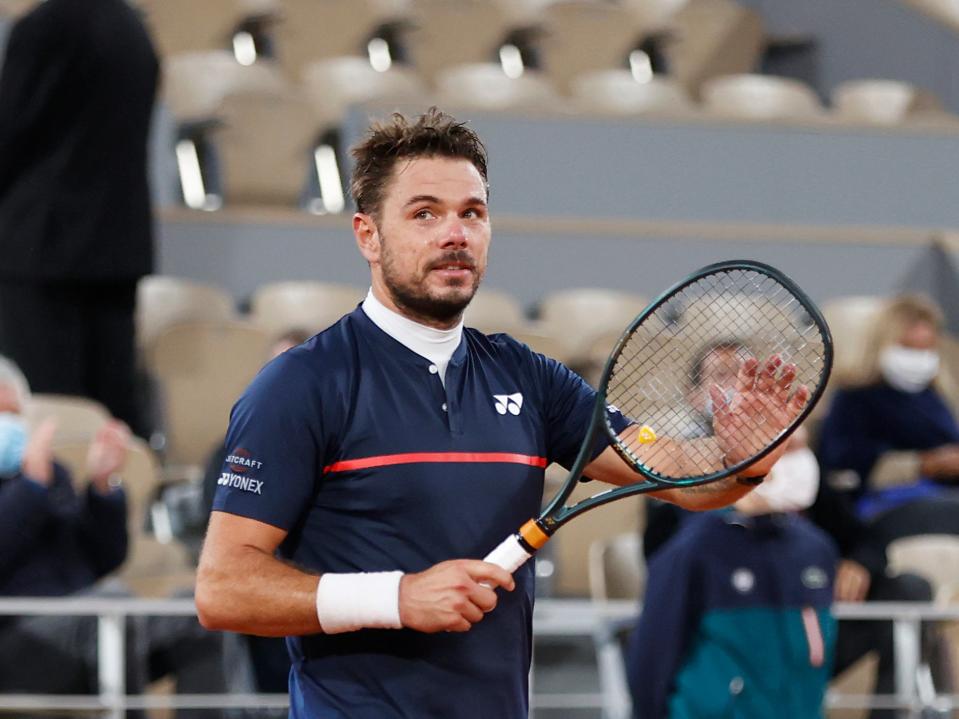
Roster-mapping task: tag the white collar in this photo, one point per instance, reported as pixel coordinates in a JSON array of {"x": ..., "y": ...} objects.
[{"x": 435, "y": 345}]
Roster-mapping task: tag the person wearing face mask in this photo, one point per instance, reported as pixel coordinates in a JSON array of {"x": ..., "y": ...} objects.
[
  {"x": 890, "y": 442},
  {"x": 59, "y": 539}
]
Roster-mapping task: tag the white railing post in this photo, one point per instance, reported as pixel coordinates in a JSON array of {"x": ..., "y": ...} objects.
[
  {"x": 111, "y": 662},
  {"x": 906, "y": 642}
]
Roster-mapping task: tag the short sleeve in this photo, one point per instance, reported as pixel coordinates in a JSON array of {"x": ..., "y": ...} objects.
[
  {"x": 274, "y": 446},
  {"x": 568, "y": 406}
]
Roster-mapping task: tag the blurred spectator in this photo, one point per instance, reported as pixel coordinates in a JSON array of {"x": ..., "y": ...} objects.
[
  {"x": 76, "y": 97},
  {"x": 890, "y": 443},
  {"x": 735, "y": 618},
  {"x": 58, "y": 541}
]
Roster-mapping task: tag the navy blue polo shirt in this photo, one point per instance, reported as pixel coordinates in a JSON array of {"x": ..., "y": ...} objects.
[{"x": 351, "y": 443}]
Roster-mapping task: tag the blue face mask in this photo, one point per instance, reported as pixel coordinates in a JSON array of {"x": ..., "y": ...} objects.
[{"x": 13, "y": 443}]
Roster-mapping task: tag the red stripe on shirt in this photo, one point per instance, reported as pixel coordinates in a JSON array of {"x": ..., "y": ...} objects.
[{"x": 386, "y": 460}]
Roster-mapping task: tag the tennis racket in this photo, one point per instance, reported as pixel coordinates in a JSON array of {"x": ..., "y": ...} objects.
[{"x": 784, "y": 353}]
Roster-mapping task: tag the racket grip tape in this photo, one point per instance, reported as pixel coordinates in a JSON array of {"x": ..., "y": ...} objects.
[{"x": 513, "y": 551}]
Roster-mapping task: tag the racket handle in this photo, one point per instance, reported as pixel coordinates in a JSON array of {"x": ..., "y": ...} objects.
[
  {"x": 513, "y": 551},
  {"x": 509, "y": 555}
]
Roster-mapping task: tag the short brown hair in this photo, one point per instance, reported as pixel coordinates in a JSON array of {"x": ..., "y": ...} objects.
[{"x": 434, "y": 133}]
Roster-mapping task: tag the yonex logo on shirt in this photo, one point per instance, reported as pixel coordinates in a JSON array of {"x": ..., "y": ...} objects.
[
  {"x": 511, "y": 403},
  {"x": 238, "y": 481}
]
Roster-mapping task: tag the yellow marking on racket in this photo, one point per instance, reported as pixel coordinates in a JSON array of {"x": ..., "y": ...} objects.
[{"x": 646, "y": 434}]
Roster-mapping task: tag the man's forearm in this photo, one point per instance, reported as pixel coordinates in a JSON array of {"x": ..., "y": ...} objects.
[
  {"x": 702, "y": 497},
  {"x": 247, "y": 590}
]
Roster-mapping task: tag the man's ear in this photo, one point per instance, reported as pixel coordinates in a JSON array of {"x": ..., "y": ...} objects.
[{"x": 367, "y": 236}]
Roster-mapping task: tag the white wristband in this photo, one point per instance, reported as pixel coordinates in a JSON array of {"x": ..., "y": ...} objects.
[{"x": 347, "y": 602}]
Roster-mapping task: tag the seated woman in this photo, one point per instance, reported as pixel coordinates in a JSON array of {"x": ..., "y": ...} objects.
[{"x": 890, "y": 440}]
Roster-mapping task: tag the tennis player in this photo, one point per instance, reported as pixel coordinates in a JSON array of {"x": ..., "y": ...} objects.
[{"x": 368, "y": 465}]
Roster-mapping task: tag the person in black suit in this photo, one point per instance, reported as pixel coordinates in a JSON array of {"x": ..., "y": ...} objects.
[{"x": 77, "y": 90}]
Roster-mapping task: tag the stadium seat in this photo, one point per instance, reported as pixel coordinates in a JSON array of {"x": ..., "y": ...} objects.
[
  {"x": 265, "y": 145},
  {"x": 571, "y": 545},
  {"x": 711, "y": 38},
  {"x": 484, "y": 86},
  {"x": 454, "y": 32},
  {"x": 280, "y": 307},
  {"x": 152, "y": 568},
  {"x": 617, "y": 91},
  {"x": 310, "y": 30},
  {"x": 334, "y": 84},
  {"x": 495, "y": 311},
  {"x": 201, "y": 369},
  {"x": 163, "y": 301},
  {"x": 655, "y": 16},
  {"x": 579, "y": 316},
  {"x": 185, "y": 25},
  {"x": 883, "y": 102},
  {"x": 759, "y": 97},
  {"x": 78, "y": 418},
  {"x": 616, "y": 569},
  {"x": 850, "y": 320},
  {"x": 582, "y": 36},
  {"x": 934, "y": 557},
  {"x": 196, "y": 83},
  {"x": 540, "y": 341}
]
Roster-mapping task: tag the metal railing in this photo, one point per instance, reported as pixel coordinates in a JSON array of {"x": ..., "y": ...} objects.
[{"x": 552, "y": 618}]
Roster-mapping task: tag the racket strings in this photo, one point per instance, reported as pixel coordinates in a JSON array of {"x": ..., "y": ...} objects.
[{"x": 697, "y": 339}]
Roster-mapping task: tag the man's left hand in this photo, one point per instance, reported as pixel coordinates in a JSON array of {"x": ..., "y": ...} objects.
[{"x": 762, "y": 407}]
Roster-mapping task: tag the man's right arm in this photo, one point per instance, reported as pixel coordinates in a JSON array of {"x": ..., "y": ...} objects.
[{"x": 242, "y": 587}]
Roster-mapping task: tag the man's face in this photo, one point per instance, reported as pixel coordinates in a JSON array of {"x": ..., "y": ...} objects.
[
  {"x": 720, "y": 367},
  {"x": 427, "y": 248}
]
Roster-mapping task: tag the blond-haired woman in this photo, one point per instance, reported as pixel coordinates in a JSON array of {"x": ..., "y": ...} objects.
[{"x": 890, "y": 436}]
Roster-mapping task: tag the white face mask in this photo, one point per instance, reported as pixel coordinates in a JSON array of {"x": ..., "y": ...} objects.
[
  {"x": 793, "y": 482},
  {"x": 907, "y": 369}
]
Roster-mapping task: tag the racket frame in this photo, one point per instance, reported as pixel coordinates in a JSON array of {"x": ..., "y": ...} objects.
[{"x": 556, "y": 513}]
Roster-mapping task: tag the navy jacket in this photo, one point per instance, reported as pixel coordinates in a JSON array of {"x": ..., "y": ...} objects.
[
  {"x": 736, "y": 621},
  {"x": 55, "y": 542}
]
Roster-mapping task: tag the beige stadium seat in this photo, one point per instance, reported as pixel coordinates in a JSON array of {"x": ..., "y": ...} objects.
[
  {"x": 883, "y": 102},
  {"x": 196, "y": 83},
  {"x": 310, "y": 306},
  {"x": 334, "y": 84},
  {"x": 540, "y": 341},
  {"x": 201, "y": 369},
  {"x": 311, "y": 30},
  {"x": 495, "y": 311},
  {"x": 187, "y": 25},
  {"x": 571, "y": 545},
  {"x": 851, "y": 320},
  {"x": 582, "y": 36},
  {"x": 163, "y": 301},
  {"x": 655, "y": 16},
  {"x": 455, "y": 32},
  {"x": 578, "y": 317},
  {"x": 759, "y": 97},
  {"x": 616, "y": 567},
  {"x": 617, "y": 91},
  {"x": 484, "y": 86},
  {"x": 934, "y": 557},
  {"x": 78, "y": 418},
  {"x": 152, "y": 568},
  {"x": 712, "y": 38},
  {"x": 265, "y": 146}
]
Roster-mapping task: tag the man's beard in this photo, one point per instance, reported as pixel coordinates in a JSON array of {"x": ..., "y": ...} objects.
[{"x": 415, "y": 299}]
